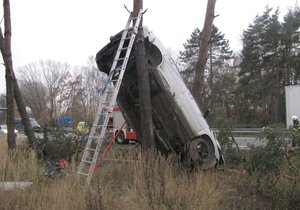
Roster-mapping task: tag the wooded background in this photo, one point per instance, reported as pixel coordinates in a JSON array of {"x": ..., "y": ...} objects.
[{"x": 246, "y": 87}]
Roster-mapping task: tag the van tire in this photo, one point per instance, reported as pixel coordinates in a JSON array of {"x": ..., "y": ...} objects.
[{"x": 202, "y": 154}]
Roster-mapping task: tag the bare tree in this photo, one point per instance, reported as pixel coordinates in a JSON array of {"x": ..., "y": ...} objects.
[
  {"x": 12, "y": 88},
  {"x": 72, "y": 90},
  {"x": 33, "y": 90},
  {"x": 56, "y": 76},
  {"x": 52, "y": 90},
  {"x": 198, "y": 87},
  {"x": 23, "y": 112},
  {"x": 46, "y": 85},
  {"x": 91, "y": 82}
]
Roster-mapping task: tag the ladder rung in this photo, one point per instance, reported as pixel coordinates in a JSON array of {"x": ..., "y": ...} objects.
[
  {"x": 129, "y": 28},
  {"x": 120, "y": 59},
  {"x": 101, "y": 114},
  {"x": 90, "y": 149},
  {"x": 127, "y": 38},
  {"x": 124, "y": 48},
  {"x": 111, "y": 81},
  {"x": 107, "y": 91},
  {"x": 97, "y": 126},
  {"x": 105, "y": 103},
  {"x": 87, "y": 161},
  {"x": 93, "y": 137},
  {"x": 85, "y": 174}
]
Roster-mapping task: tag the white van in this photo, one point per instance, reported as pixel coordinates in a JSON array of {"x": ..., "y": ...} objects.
[{"x": 179, "y": 125}]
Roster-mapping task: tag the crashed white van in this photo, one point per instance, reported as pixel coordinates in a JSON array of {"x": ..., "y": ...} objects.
[{"x": 179, "y": 125}]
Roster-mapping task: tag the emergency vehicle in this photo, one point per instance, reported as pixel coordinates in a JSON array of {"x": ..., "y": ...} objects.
[{"x": 116, "y": 122}]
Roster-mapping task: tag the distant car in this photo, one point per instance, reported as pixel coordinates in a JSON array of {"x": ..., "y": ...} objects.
[
  {"x": 34, "y": 125},
  {"x": 82, "y": 128},
  {"x": 3, "y": 129}
]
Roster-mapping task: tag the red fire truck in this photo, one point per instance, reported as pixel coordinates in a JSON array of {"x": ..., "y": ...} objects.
[{"x": 115, "y": 123}]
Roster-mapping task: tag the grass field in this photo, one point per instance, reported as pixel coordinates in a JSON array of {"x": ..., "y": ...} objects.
[{"x": 129, "y": 183}]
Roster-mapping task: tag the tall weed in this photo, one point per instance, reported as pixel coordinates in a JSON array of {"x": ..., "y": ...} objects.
[{"x": 127, "y": 181}]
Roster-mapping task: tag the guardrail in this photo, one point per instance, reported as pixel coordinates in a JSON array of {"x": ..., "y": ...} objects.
[{"x": 252, "y": 130}]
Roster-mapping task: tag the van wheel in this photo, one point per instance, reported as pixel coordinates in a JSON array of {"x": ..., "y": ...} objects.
[
  {"x": 121, "y": 138},
  {"x": 202, "y": 153}
]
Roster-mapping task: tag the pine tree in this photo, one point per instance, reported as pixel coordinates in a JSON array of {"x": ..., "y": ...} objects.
[
  {"x": 290, "y": 50},
  {"x": 270, "y": 60},
  {"x": 188, "y": 57},
  {"x": 219, "y": 55}
]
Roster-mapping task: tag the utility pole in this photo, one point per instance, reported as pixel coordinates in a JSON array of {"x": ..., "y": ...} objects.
[{"x": 147, "y": 139}]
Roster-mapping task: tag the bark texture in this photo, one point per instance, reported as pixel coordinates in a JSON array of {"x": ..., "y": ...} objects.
[
  {"x": 198, "y": 87},
  {"x": 147, "y": 139},
  {"x": 12, "y": 88},
  {"x": 5, "y": 45}
]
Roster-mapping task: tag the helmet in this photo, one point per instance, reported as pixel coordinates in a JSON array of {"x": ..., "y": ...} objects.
[{"x": 294, "y": 117}]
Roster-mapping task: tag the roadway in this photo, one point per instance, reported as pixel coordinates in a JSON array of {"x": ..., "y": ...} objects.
[
  {"x": 244, "y": 137},
  {"x": 249, "y": 136}
]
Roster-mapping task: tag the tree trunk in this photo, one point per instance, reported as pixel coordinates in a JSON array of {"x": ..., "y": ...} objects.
[
  {"x": 147, "y": 139},
  {"x": 22, "y": 110},
  {"x": 211, "y": 100},
  {"x": 11, "y": 138},
  {"x": 6, "y": 54},
  {"x": 198, "y": 87},
  {"x": 12, "y": 88}
]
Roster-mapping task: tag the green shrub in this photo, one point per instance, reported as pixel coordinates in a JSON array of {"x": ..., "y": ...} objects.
[
  {"x": 58, "y": 144},
  {"x": 232, "y": 155},
  {"x": 269, "y": 158},
  {"x": 266, "y": 191}
]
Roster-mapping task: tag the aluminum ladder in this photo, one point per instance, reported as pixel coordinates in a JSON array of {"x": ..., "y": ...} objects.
[{"x": 108, "y": 98}]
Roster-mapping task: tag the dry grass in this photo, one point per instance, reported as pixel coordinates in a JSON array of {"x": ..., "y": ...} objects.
[
  {"x": 44, "y": 193},
  {"x": 20, "y": 166},
  {"x": 158, "y": 183}
]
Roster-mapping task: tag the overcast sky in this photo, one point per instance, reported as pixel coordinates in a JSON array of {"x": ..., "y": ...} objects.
[{"x": 72, "y": 30}]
